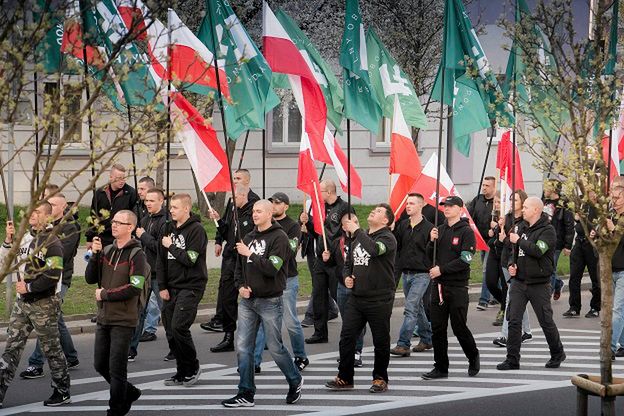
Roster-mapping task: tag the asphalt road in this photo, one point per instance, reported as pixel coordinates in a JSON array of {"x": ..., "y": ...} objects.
[{"x": 532, "y": 390}]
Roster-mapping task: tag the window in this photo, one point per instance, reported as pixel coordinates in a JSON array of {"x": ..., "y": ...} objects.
[
  {"x": 70, "y": 112},
  {"x": 381, "y": 142},
  {"x": 286, "y": 125}
]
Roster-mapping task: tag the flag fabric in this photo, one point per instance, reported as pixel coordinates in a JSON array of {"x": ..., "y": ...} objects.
[
  {"x": 531, "y": 86},
  {"x": 308, "y": 182},
  {"x": 477, "y": 99},
  {"x": 320, "y": 69},
  {"x": 404, "y": 160},
  {"x": 504, "y": 164},
  {"x": 48, "y": 51},
  {"x": 388, "y": 80},
  {"x": 426, "y": 186},
  {"x": 360, "y": 103},
  {"x": 207, "y": 158},
  {"x": 616, "y": 156},
  {"x": 247, "y": 72}
]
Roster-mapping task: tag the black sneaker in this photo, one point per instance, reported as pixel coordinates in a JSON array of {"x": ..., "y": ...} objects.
[
  {"x": 500, "y": 341},
  {"x": 212, "y": 326},
  {"x": 257, "y": 369},
  {"x": 526, "y": 337},
  {"x": 174, "y": 380},
  {"x": 357, "y": 362},
  {"x": 147, "y": 337},
  {"x": 58, "y": 398},
  {"x": 619, "y": 352},
  {"x": 301, "y": 363},
  {"x": 32, "y": 372},
  {"x": 474, "y": 366},
  {"x": 72, "y": 365},
  {"x": 481, "y": 306},
  {"x": 169, "y": 357},
  {"x": 593, "y": 313},
  {"x": 507, "y": 365},
  {"x": 240, "y": 400},
  {"x": 555, "y": 362},
  {"x": 307, "y": 322},
  {"x": 294, "y": 393},
  {"x": 189, "y": 381},
  {"x": 131, "y": 397},
  {"x": 571, "y": 313},
  {"x": 434, "y": 374},
  {"x": 131, "y": 357}
]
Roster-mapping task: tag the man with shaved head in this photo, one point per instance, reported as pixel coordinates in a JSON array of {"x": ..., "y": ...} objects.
[{"x": 535, "y": 243}]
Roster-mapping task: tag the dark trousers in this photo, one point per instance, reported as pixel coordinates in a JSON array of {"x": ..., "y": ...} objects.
[
  {"x": 228, "y": 294},
  {"x": 111, "y": 362},
  {"x": 323, "y": 279},
  {"x": 455, "y": 308},
  {"x": 359, "y": 312},
  {"x": 539, "y": 295},
  {"x": 178, "y": 315},
  {"x": 583, "y": 256},
  {"x": 495, "y": 280}
]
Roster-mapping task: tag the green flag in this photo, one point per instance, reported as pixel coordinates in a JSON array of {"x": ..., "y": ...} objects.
[
  {"x": 249, "y": 75},
  {"x": 360, "y": 104},
  {"x": 532, "y": 84},
  {"x": 322, "y": 72},
  {"x": 388, "y": 80},
  {"x": 470, "y": 86}
]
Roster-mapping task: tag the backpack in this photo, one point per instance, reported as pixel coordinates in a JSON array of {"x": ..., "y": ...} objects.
[{"x": 147, "y": 285}]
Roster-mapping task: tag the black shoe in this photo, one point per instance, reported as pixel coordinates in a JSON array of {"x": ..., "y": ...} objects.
[
  {"x": 175, "y": 380},
  {"x": 131, "y": 397},
  {"x": 332, "y": 316},
  {"x": 555, "y": 362},
  {"x": 94, "y": 319},
  {"x": 474, "y": 366},
  {"x": 191, "y": 380},
  {"x": 226, "y": 344},
  {"x": 571, "y": 313},
  {"x": 212, "y": 326},
  {"x": 316, "y": 339},
  {"x": 240, "y": 400},
  {"x": 72, "y": 365},
  {"x": 169, "y": 357},
  {"x": 357, "y": 361},
  {"x": 619, "y": 352},
  {"x": 434, "y": 374},
  {"x": 526, "y": 337},
  {"x": 147, "y": 337},
  {"x": 32, "y": 372},
  {"x": 307, "y": 322},
  {"x": 294, "y": 393},
  {"x": 58, "y": 398},
  {"x": 131, "y": 357},
  {"x": 257, "y": 369},
  {"x": 593, "y": 313},
  {"x": 500, "y": 341},
  {"x": 507, "y": 365},
  {"x": 301, "y": 363}
]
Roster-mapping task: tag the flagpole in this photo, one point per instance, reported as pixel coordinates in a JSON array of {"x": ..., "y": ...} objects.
[
  {"x": 487, "y": 156},
  {"x": 438, "y": 168},
  {"x": 349, "y": 167},
  {"x": 136, "y": 185},
  {"x": 36, "y": 125},
  {"x": 242, "y": 155},
  {"x": 169, "y": 124},
  {"x": 552, "y": 162},
  {"x": 263, "y": 163},
  {"x": 318, "y": 204}
]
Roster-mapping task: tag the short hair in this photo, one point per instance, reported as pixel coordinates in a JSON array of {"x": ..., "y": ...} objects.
[
  {"x": 244, "y": 172},
  {"x": 415, "y": 195},
  {"x": 57, "y": 195},
  {"x": 489, "y": 178},
  {"x": 264, "y": 203},
  {"x": 119, "y": 167},
  {"x": 52, "y": 187},
  {"x": 131, "y": 216},
  {"x": 47, "y": 207},
  {"x": 156, "y": 191},
  {"x": 185, "y": 198},
  {"x": 148, "y": 180},
  {"x": 331, "y": 185},
  {"x": 389, "y": 213}
]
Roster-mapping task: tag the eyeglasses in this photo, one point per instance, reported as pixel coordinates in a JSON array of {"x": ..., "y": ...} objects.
[{"x": 115, "y": 222}]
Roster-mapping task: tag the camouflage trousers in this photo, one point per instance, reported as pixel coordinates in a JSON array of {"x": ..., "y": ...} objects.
[{"x": 42, "y": 317}]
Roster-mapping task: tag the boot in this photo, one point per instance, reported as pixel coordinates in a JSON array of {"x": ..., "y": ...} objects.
[{"x": 227, "y": 344}]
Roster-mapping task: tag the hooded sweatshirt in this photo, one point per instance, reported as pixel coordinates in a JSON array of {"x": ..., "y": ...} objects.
[
  {"x": 228, "y": 217},
  {"x": 371, "y": 261},
  {"x": 154, "y": 226},
  {"x": 113, "y": 201},
  {"x": 69, "y": 233},
  {"x": 480, "y": 209},
  {"x": 293, "y": 231},
  {"x": 122, "y": 280},
  {"x": 265, "y": 270},
  {"x": 227, "y": 229},
  {"x": 456, "y": 248},
  {"x": 183, "y": 264},
  {"x": 536, "y": 251}
]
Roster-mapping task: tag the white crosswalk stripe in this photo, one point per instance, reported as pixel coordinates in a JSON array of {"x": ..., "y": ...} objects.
[{"x": 406, "y": 388}]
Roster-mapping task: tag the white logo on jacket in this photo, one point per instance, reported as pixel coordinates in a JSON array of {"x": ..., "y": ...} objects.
[
  {"x": 361, "y": 257},
  {"x": 257, "y": 247},
  {"x": 179, "y": 242},
  {"x": 520, "y": 251}
]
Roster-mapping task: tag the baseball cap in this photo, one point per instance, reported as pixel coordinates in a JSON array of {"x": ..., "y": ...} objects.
[
  {"x": 280, "y": 197},
  {"x": 453, "y": 200}
]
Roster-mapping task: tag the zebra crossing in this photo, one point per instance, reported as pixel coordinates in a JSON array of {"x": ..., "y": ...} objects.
[{"x": 406, "y": 388}]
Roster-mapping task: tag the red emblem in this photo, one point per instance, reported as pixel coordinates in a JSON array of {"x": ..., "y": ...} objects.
[{"x": 455, "y": 241}]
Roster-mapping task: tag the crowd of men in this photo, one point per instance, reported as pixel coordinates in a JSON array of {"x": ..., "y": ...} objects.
[{"x": 149, "y": 265}]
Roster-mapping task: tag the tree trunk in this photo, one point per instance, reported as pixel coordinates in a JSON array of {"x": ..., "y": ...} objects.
[{"x": 606, "y": 312}]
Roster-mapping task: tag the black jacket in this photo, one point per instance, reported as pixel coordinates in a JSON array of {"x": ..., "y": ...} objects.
[
  {"x": 293, "y": 231},
  {"x": 480, "y": 209},
  {"x": 536, "y": 251},
  {"x": 412, "y": 246},
  {"x": 456, "y": 248},
  {"x": 581, "y": 237},
  {"x": 227, "y": 228},
  {"x": 228, "y": 217},
  {"x": 69, "y": 234},
  {"x": 43, "y": 268},
  {"x": 333, "y": 229},
  {"x": 183, "y": 265},
  {"x": 617, "y": 261},
  {"x": 154, "y": 226},
  {"x": 506, "y": 249},
  {"x": 125, "y": 198},
  {"x": 140, "y": 210},
  {"x": 265, "y": 269},
  {"x": 371, "y": 261},
  {"x": 562, "y": 221}
]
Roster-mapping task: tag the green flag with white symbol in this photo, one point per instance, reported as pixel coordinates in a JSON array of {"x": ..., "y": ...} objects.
[
  {"x": 248, "y": 73},
  {"x": 360, "y": 103},
  {"x": 388, "y": 80}
]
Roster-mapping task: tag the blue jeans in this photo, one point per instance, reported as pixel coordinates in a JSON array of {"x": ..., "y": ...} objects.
[
  {"x": 485, "y": 293},
  {"x": 342, "y": 295},
  {"x": 138, "y": 331},
  {"x": 153, "y": 312},
  {"x": 291, "y": 321},
  {"x": 251, "y": 314},
  {"x": 617, "y": 321},
  {"x": 37, "y": 359},
  {"x": 555, "y": 282},
  {"x": 526, "y": 323},
  {"x": 414, "y": 287}
]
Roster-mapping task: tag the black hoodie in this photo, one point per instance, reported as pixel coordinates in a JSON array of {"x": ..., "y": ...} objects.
[
  {"x": 154, "y": 226},
  {"x": 125, "y": 198},
  {"x": 480, "y": 209},
  {"x": 293, "y": 231},
  {"x": 333, "y": 229},
  {"x": 371, "y": 261},
  {"x": 412, "y": 246},
  {"x": 227, "y": 229},
  {"x": 536, "y": 251},
  {"x": 183, "y": 265},
  {"x": 562, "y": 221},
  {"x": 456, "y": 248},
  {"x": 69, "y": 234},
  {"x": 228, "y": 217},
  {"x": 265, "y": 269}
]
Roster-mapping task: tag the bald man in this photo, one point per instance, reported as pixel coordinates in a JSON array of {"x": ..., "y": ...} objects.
[{"x": 535, "y": 242}]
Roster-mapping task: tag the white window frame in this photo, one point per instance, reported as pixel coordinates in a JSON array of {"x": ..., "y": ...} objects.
[
  {"x": 283, "y": 146},
  {"x": 385, "y": 133}
]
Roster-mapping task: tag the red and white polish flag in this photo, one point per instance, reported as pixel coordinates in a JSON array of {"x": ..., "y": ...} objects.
[
  {"x": 504, "y": 164},
  {"x": 308, "y": 182}
]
